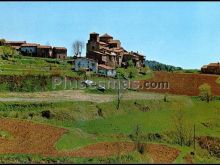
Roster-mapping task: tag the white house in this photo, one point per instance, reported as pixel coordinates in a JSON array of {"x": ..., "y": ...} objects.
[
  {"x": 85, "y": 63},
  {"x": 106, "y": 70}
]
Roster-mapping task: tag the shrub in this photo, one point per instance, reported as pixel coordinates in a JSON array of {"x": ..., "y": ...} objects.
[
  {"x": 46, "y": 114},
  {"x": 205, "y": 92},
  {"x": 132, "y": 72}
]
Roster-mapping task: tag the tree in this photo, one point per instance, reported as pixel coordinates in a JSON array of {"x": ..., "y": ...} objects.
[
  {"x": 2, "y": 42},
  {"x": 78, "y": 47},
  {"x": 205, "y": 92},
  {"x": 137, "y": 136},
  {"x": 118, "y": 92},
  {"x": 183, "y": 130}
]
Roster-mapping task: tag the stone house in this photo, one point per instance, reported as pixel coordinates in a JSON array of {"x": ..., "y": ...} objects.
[
  {"x": 59, "y": 52},
  {"x": 44, "y": 51},
  {"x": 15, "y": 44},
  {"x": 109, "y": 52},
  {"x": 212, "y": 68},
  {"x": 37, "y": 50}
]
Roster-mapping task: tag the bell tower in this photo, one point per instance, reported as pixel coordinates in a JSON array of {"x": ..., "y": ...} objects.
[{"x": 93, "y": 43}]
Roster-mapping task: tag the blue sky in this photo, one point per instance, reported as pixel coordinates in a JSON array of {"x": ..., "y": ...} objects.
[{"x": 185, "y": 34}]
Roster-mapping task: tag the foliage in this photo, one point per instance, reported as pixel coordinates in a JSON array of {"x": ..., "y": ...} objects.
[
  {"x": 6, "y": 51},
  {"x": 156, "y": 66},
  {"x": 205, "y": 92},
  {"x": 218, "y": 80}
]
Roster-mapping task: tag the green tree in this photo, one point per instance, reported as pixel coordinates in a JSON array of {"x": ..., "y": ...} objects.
[
  {"x": 7, "y": 51},
  {"x": 132, "y": 72},
  {"x": 205, "y": 92},
  {"x": 2, "y": 42}
]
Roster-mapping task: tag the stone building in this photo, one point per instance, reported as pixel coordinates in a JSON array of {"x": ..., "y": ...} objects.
[
  {"x": 212, "y": 68},
  {"x": 59, "y": 52},
  {"x": 37, "y": 50},
  {"x": 108, "y": 51},
  {"x": 44, "y": 51},
  {"x": 14, "y": 44}
]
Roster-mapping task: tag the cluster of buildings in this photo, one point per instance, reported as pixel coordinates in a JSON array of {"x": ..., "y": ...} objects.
[
  {"x": 104, "y": 54},
  {"x": 37, "y": 50},
  {"x": 212, "y": 68}
]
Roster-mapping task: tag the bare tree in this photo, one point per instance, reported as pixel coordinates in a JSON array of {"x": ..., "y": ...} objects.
[
  {"x": 78, "y": 47},
  {"x": 183, "y": 130}
]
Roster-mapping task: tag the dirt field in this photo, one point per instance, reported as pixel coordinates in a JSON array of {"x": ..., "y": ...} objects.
[
  {"x": 31, "y": 138},
  {"x": 183, "y": 83},
  {"x": 28, "y": 137}
]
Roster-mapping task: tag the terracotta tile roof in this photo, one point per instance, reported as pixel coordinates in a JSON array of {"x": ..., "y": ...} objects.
[
  {"x": 114, "y": 41},
  {"x": 15, "y": 42},
  {"x": 44, "y": 47},
  {"x": 16, "y": 47},
  {"x": 117, "y": 50},
  {"x": 29, "y": 44},
  {"x": 105, "y": 48},
  {"x": 98, "y": 52},
  {"x": 105, "y": 67},
  {"x": 106, "y": 36},
  {"x": 214, "y": 64},
  {"x": 61, "y": 48},
  {"x": 102, "y": 43}
]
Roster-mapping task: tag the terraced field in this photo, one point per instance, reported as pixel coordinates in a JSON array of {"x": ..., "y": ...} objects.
[{"x": 183, "y": 83}]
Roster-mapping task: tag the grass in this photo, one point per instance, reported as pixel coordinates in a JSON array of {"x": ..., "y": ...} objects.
[
  {"x": 21, "y": 65},
  {"x": 5, "y": 134}
]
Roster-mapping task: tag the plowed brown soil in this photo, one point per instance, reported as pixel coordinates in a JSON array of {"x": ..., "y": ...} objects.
[
  {"x": 30, "y": 138},
  {"x": 183, "y": 83}
]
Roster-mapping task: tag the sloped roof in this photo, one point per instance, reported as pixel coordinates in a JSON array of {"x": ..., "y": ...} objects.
[
  {"x": 105, "y": 67},
  {"x": 15, "y": 42},
  {"x": 102, "y": 43},
  {"x": 44, "y": 47},
  {"x": 106, "y": 36},
  {"x": 16, "y": 47},
  {"x": 29, "y": 44},
  {"x": 114, "y": 41},
  {"x": 214, "y": 64},
  {"x": 61, "y": 48}
]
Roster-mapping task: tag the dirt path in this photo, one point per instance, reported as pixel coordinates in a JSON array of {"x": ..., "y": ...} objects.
[
  {"x": 73, "y": 95},
  {"x": 31, "y": 138}
]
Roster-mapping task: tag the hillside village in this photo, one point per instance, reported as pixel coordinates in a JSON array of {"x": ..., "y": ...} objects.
[
  {"x": 37, "y": 50},
  {"x": 104, "y": 55}
]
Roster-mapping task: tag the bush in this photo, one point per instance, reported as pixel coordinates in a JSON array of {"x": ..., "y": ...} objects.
[
  {"x": 132, "y": 72},
  {"x": 46, "y": 114},
  {"x": 205, "y": 92},
  {"x": 6, "y": 51}
]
